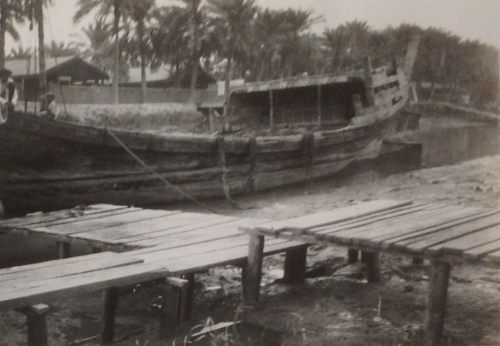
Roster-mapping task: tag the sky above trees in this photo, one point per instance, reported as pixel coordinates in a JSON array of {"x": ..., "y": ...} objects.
[{"x": 470, "y": 19}]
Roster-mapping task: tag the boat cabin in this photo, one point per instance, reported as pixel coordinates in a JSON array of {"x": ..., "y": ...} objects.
[{"x": 316, "y": 100}]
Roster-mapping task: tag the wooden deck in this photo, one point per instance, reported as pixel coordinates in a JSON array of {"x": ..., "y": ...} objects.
[
  {"x": 156, "y": 244},
  {"x": 147, "y": 245},
  {"x": 443, "y": 234}
]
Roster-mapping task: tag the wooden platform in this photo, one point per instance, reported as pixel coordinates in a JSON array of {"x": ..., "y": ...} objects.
[
  {"x": 156, "y": 244},
  {"x": 152, "y": 244},
  {"x": 444, "y": 234}
]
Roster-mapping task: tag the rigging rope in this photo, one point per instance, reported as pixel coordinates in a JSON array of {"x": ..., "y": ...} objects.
[{"x": 149, "y": 169}]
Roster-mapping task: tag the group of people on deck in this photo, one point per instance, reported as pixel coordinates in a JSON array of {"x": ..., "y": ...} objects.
[{"x": 9, "y": 97}]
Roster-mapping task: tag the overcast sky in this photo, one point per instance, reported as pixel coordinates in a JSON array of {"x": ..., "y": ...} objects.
[{"x": 470, "y": 19}]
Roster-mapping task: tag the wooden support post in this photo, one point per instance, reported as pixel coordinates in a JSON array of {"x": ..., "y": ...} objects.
[
  {"x": 319, "y": 105},
  {"x": 254, "y": 269},
  {"x": 271, "y": 110},
  {"x": 252, "y": 159},
  {"x": 63, "y": 249},
  {"x": 436, "y": 306},
  {"x": 36, "y": 320},
  {"x": 109, "y": 312},
  {"x": 372, "y": 266},
  {"x": 308, "y": 155},
  {"x": 244, "y": 280},
  {"x": 295, "y": 265},
  {"x": 170, "y": 311},
  {"x": 418, "y": 261},
  {"x": 352, "y": 256},
  {"x": 187, "y": 308}
]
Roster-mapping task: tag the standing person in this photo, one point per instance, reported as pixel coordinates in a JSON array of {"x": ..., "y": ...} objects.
[
  {"x": 8, "y": 94},
  {"x": 49, "y": 108}
]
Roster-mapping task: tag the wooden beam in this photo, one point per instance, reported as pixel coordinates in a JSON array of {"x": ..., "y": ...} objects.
[
  {"x": 436, "y": 306},
  {"x": 253, "y": 272},
  {"x": 372, "y": 265},
  {"x": 63, "y": 249},
  {"x": 295, "y": 265},
  {"x": 110, "y": 304},
  {"x": 36, "y": 320}
]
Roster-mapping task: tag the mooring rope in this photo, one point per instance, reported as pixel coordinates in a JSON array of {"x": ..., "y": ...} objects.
[{"x": 149, "y": 169}]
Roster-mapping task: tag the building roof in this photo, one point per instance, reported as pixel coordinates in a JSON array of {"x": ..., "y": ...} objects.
[
  {"x": 25, "y": 68},
  {"x": 134, "y": 74},
  {"x": 295, "y": 82}
]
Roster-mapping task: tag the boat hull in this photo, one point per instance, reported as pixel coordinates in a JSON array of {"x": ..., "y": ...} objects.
[{"x": 47, "y": 165}]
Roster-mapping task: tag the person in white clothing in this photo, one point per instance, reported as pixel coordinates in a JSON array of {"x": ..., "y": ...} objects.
[
  {"x": 49, "y": 108},
  {"x": 8, "y": 94}
]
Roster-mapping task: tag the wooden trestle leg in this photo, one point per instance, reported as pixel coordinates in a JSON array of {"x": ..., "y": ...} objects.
[
  {"x": 110, "y": 298},
  {"x": 436, "y": 306},
  {"x": 295, "y": 265},
  {"x": 175, "y": 296},
  {"x": 373, "y": 265},
  {"x": 36, "y": 320},
  {"x": 253, "y": 270}
]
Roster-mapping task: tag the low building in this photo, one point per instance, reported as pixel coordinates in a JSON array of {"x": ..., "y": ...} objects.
[{"x": 70, "y": 70}]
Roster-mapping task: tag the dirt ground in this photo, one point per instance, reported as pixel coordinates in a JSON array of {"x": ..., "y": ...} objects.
[{"x": 337, "y": 308}]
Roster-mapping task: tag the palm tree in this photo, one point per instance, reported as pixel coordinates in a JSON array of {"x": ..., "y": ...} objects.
[
  {"x": 297, "y": 22},
  {"x": 58, "y": 49},
  {"x": 231, "y": 21},
  {"x": 269, "y": 30},
  {"x": 10, "y": 11},
  {"x": 139, "y": 11},
  {"x": 104, "y": 8},
  {"x": 96, "y": 45},
  {"x": 19, "y": 53}
]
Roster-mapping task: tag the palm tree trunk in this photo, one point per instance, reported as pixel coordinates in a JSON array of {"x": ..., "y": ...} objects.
[
  {"x": 140, "y": 34},
  {"x": 229, "y": 73},
  {"x": 116, "y": 56},
  {"x": 195, "y": 45},
  {"x": 42, "y": 83},
  {"x": 3, "y": 29}
]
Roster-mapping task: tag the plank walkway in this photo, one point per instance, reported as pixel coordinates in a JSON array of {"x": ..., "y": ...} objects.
[
  {"x": 443, "y": 234},
  {"x": 172, "y": 245},
  {"x": 146, "y": 245}
]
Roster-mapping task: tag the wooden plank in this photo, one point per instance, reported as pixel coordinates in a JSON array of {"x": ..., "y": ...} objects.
[
  {"x": 451, "y": 219},
  {"x": 482, "y": 237},
  {"x": 429, "y": 240},
  {"x": 369, "y": 219},
  {"x": 329, "y": 217},
  {"x": 182, "y": 227},
  {"x": 212, "y": 230},
  {"x": 193, "y": 237},
  {"x": 81, "y": 284},
  {"x": 79, "y": 226},
  {"x": 370, "y": 236},
  {"x": 51, "y": 265},
  {"x": 41, "y": 218},
  {"x": 375, "y": 223},
  {"x": 37, "y": 278},
  {"x": 144, "y": 228},
  {"x": 482, "y": 250}
]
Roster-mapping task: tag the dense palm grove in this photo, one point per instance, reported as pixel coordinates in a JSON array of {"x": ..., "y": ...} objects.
[{"x": 237, "y": 39}]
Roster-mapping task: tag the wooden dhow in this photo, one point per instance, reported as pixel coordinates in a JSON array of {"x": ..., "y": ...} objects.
[{"x": 296, "y": 130}]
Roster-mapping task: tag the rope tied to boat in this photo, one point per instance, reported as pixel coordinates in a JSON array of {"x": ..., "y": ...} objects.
[{"x": 152, "y": 171}]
